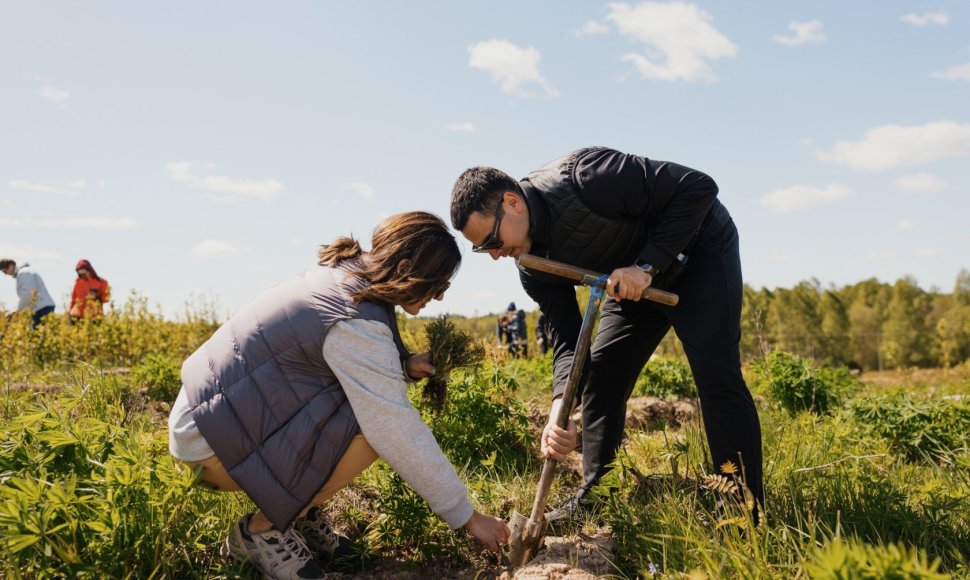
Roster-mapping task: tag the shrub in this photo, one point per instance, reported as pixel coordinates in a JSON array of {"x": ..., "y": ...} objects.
[
  {"x": 161, "y": 375},
  {"x": 667, "y": 378},
  {"x": 484, "y": 422},
  {"x": 916, "y": 428},
  {"x": 84, "y": 496},
  {"x": 406, "y": 524},
  {"x": 859, "y": 560},
  {"x": 798, "y": 385}
]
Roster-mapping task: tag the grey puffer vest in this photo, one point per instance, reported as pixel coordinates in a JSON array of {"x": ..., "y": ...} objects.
[{"x": 265, "y": 399}]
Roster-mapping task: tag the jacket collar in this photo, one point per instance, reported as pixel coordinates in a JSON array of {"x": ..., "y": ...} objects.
[{"x": 538, "y": 215}]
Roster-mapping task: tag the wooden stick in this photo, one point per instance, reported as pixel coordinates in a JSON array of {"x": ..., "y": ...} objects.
[{"x": 586, "y": 277}]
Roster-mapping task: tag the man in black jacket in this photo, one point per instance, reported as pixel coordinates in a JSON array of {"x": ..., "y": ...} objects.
[{"x": 647, "y": 223}]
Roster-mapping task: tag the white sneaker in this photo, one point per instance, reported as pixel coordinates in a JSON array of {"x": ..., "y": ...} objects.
[
  {"x": 320, "y": 536},
  {"x": 279, "y": 555}
]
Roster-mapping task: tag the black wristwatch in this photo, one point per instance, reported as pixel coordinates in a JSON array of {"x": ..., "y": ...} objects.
[{"x": 648, "y": 268}]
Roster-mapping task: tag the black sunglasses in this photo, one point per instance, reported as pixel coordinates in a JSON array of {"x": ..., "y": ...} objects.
[{"x": 492, "y": 241}]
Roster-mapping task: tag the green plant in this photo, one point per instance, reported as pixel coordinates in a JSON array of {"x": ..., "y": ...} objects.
[
  {"x": 855, "y": 559},
  {"x": 406, "y": 524},
  {"x": 450, "y": 349},
  {"x": 161, "y": 375},
  {"x": 667, "y": 378},
  {"x": 484, "y": 421},
  {"x": 798, "y": 385},
  {"x": 915, "y": 428}
]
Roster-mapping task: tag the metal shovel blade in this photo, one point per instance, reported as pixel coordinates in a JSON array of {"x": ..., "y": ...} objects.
[{"x": 525, "y": 539}]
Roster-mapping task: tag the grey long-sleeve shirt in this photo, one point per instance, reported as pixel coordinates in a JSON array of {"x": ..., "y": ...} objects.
[
  {"x": 29, "y": 285},
  {"x": 365, "y": 360}
]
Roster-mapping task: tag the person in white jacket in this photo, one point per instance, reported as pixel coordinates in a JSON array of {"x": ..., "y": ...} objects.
[{"x": 32, "y": 295}]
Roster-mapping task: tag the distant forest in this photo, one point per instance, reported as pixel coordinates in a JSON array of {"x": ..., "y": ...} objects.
[{"x": 869, "y": 325}]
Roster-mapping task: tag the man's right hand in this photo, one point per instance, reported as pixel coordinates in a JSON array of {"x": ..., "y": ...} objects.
[{"x": 556, "y": 442}]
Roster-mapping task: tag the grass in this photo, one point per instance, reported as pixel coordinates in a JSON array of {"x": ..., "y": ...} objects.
[{"x": 87, "y": 488}]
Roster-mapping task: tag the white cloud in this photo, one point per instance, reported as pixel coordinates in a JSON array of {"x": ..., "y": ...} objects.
[
  {"x": 957, "y": 73},
  {"x": 799, "y": 197},
  {"x": 905, "y": 224},
  {"x": 680, "y": 40},
  {"x": 365, "y": 190},
  {"x": 25, "y": 253},
  {"x": 467, "y": 127},
  {"x": 925, "y": 18},
  {"x": 35, "y": 187},
  {"x": 592, "y": 27},
  {"x": 928, "y": 252},
  {"x": 920, "y": 183},
  {"x": 809, "y": 32},
  {"x": 54, "y": 95},
  {"x": 214, "y": 249},
  {"x": 7, "y": 204},
  {"x": 231, "y": 189},
  {"x": 893, "y": 146},
  {"x": 510, "y": 66},
  {"x": 89, "y": 223}
]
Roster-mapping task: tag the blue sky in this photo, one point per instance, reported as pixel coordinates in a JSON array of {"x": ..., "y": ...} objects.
[{"x": 207, "y": 148}]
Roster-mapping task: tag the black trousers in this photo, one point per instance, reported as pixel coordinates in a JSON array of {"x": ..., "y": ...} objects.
[{"x": 708, "y": 322}]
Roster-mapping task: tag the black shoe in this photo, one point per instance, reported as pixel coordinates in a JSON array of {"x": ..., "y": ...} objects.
[{"x": 572, "y": 513}]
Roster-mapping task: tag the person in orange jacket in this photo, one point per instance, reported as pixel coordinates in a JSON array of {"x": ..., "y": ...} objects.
[{"x": 90, "y": 293}]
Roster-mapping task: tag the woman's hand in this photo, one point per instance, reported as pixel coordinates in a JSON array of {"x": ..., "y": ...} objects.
[
  {"x": 492, "y": 532},
  {"x": 418, "y": 366}
]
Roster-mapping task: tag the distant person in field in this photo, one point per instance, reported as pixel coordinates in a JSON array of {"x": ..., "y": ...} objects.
[
  {"x": 523, "y": 333},
  {"x": 32, "y": 295},
  {"x": 645, "y": 223},
  {"x": 90, "y": 293},
  {"x": 543, "y": 336},
  {"x": 512, "y": 330},
  {"x": 306, "y": 386}
]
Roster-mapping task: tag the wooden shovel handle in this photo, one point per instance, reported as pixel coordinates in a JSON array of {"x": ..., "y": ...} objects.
[{"x": 580, "y": 274}]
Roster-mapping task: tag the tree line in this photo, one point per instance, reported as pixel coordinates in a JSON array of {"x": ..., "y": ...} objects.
[{"x": 867, "y": 325}]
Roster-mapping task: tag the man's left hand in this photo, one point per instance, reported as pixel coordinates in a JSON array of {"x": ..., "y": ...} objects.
[
  {"x": 418, "y": 366},
  {"x": 628, "y": 283}
]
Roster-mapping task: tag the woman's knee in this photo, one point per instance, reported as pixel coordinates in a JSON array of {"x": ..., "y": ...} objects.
[{"x": 210, "y": 474}]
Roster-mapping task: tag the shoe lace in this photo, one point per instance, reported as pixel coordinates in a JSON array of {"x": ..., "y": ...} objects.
[
  {"x": 294, "y": 543},
  {"x": 320, "y": 527}
]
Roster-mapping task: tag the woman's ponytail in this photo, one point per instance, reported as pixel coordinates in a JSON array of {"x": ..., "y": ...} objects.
[{"x": 343, "y": 248}]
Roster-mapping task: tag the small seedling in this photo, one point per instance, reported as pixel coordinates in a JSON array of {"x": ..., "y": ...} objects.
[{"x": 450, "y": 349}]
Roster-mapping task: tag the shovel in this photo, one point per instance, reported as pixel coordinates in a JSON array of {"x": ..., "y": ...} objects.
[{"x": 527, "y": 533}]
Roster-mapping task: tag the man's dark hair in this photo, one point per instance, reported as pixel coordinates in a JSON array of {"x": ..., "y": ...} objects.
[
  {"x": 479, "y": 189},
  {"x": 6, "y": 263}
]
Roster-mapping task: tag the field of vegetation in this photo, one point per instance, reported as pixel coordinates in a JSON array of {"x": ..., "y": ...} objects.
[{"x": 867, "y": 473}]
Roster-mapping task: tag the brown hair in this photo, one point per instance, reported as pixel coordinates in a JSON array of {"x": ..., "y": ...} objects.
[
  {"x": 413, "y": 256},
  {"x": 6, "y": 263}
]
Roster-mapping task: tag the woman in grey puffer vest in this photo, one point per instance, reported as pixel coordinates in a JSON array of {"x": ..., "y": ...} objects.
[{"x": 305, "y": 387}]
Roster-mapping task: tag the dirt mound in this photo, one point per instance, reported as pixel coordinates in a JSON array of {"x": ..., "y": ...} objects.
[
  {"x": 642, "y": 412},
  {"x": 579, "y": 557}
]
